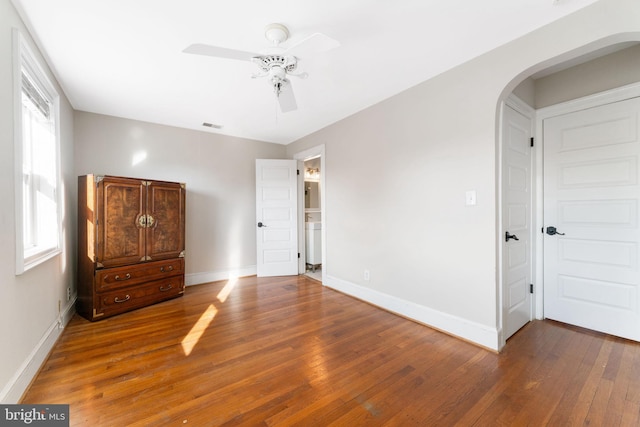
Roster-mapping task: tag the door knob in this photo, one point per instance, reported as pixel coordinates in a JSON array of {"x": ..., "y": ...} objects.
[
  {"x": 508, "y": 236},
  {"x": 552, "y": 230},
  {"x": 261, "y": 225}
]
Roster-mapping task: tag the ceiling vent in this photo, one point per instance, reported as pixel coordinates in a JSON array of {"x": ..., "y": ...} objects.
[{"x": 211, "y": 125}]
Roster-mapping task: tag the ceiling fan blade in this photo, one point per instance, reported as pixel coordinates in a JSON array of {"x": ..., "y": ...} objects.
[
  {"x": 219, "y": 52},
  {"x": 287, "y": 99},
  {"x": 315, "y": 43}
]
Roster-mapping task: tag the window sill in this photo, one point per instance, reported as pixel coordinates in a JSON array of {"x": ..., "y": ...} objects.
[{"x": 36, "y": 259}]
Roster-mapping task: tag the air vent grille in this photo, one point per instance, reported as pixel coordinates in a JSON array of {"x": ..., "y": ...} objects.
[{"x": 211, "y": 125}]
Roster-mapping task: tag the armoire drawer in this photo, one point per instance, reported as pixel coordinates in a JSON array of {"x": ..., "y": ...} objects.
[
  {"x": 119, "y": 301},
  {"x": 119, "y": 277}
]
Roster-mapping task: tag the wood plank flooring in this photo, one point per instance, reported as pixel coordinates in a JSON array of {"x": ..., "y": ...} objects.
[{"x": 287, "y": 351}]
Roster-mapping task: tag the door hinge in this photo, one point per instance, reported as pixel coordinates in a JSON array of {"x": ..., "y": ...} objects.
[
  {"x": 298, "y": 254},
  {"x": 531, "y": 288},
  {"x": 297, "y": 171},
  {"x": 532, "y": 141}
]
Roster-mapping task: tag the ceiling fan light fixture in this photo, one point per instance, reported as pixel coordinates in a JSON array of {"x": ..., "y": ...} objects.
[
  {"x": 275, "y": 64},
  {"x": 276, "y": 33}
]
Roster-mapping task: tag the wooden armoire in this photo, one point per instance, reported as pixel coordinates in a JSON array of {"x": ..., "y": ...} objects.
[{"x": 130, "y": 244}]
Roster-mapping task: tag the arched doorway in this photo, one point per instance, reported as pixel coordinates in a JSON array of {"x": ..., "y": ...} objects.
[{"x": 603, "y": 75}]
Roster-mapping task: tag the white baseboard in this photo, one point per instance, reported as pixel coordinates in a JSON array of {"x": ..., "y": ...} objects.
[
  {"x": 18, "y": 384},
  {"x": 467, "y": 330},
  {"x": 214, "y": 276}
]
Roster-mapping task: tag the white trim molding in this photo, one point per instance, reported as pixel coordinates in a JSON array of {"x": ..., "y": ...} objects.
[
  {"x": 520, "y": 106},
  {"x": 482, "y": 335},
  {"x": 590, "y": 101},
  {"x": 18, "y": 384}
]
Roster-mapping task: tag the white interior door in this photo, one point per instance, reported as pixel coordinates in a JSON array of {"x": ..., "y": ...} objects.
[
  {"x": 516, "y": 220},
  {"x": 276, "y": 217},
  {"x": 591, "y": 194}
]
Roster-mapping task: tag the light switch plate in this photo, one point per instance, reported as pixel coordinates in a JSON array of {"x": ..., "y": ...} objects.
[{"x": 470, "y": 197}]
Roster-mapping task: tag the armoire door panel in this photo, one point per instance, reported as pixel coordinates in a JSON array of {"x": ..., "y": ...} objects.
[
  {"x": 166, "y": 208},
  {"x": 121, "y": 236}
]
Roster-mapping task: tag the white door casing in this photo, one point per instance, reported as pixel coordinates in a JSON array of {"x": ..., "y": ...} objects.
[
  {"x": 591, "y": 194},
  {"x": 276, "y": 217},
  {"x": 516, "y": 220},
  {"x": 317, "y": 151}
]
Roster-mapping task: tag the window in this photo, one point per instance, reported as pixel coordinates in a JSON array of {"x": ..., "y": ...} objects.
[{"x": 36, "y": 161}]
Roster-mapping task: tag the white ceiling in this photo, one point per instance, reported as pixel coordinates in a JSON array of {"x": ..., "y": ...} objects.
[{"x": 124, "y": 57}]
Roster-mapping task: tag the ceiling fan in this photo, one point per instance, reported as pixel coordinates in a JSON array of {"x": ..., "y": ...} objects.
[{"x": 275, "y": 63}]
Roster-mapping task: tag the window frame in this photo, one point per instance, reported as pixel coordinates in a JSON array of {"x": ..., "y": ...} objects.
[{"x": 24, "y": 59}]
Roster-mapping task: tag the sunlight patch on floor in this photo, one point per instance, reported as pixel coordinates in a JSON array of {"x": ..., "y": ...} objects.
[
  {"x": 192, "y": 338},
  {"x": 224, "y": 293}
]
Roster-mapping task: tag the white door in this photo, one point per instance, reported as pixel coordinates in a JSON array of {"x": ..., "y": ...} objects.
[
  {"x": 276, "y": 217},
  {"x": 516, "y": 220},
  {"x": 591, "y": 197}
]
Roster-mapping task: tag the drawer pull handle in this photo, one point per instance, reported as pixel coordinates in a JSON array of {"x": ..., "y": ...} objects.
[
  {"x": 127, "y": 298},
  {"x": 170, "y": 268},
  {"x": 126, "y": 277},
  {"x": 166, "y": 288}
]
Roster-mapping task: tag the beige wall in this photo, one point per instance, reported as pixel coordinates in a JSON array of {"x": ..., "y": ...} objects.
[
  {"x": 219, "y": 172},
  {"x": 526, "y": 91},
  {"x": 608, "y": 72},
  {"x": 30, "y": 304},
  {"x": 396, "y": 176}
]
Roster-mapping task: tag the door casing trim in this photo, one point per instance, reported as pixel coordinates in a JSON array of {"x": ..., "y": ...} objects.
[{"x": 318, "y": 150}]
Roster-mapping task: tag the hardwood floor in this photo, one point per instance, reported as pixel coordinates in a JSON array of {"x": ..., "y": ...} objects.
[{"x": 287, "y": 351}]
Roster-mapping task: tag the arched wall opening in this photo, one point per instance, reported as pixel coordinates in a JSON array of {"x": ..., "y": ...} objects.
[
  {"x": 586, "y": 54},
  {"x": 608, "y": 64}
]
